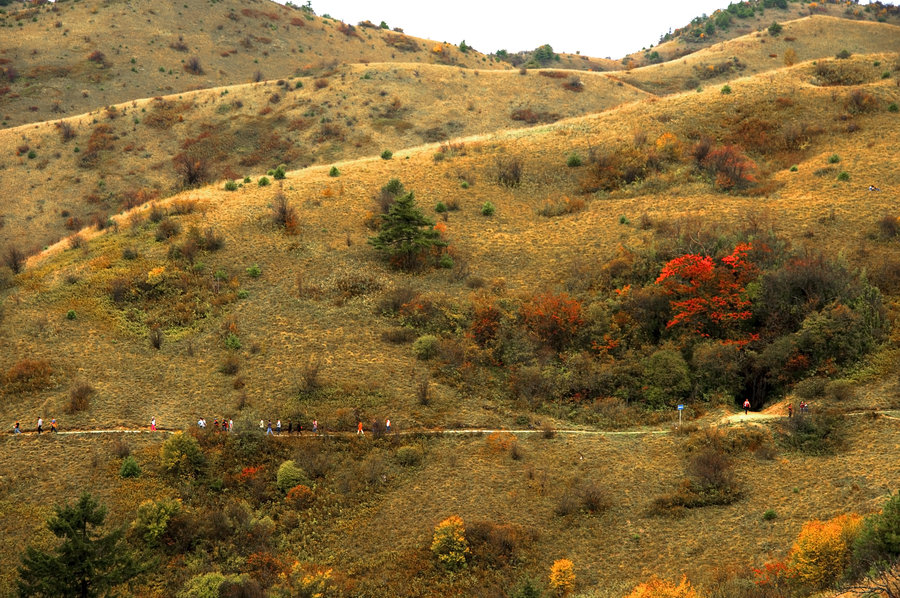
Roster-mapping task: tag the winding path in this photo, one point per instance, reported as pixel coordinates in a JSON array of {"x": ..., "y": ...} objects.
[{"x": 727, "y": 420}]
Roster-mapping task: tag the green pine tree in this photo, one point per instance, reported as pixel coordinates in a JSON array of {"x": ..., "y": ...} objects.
[
  {"x": 86, "y": 564},
  {"x": 406, "y": 235}
]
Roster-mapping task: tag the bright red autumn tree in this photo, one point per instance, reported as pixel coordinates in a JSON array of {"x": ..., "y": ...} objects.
[{"x": 709, "y": 298}]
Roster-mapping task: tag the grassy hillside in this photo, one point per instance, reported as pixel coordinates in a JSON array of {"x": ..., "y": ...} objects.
[
  {"x": 84, "y": 168},
  {"x": 68, "y": 58},
  {"x": 804, "y": 39},
  {"x": 626, "y": 253}
]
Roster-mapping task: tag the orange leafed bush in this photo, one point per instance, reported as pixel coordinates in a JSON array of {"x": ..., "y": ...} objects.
[
  {"x": 28, "y": 374},
  {"x": 300, "y": 497},
  {"x": 562, "y": 577},
  {"x": 821, "y": 553},
  {"x": 553, "y": 318},
  {"x": 657, "y": 588}
]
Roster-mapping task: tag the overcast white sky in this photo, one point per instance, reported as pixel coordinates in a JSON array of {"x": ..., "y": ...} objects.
[{"x": 597, "y": 28}]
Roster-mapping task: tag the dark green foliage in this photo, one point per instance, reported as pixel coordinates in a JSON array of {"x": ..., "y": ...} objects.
[
  {"x": 85, "y": 564},
  {"x": 843, "y": 54},
  {"x": 545, "y": 54},
  {"x": 775, "y": 29},
  {"x": 406, "y": 236},
  {"x": 130, "y": 468},
  {"x": 815, "y": 433},
  {"x": 878, "y": 544}
]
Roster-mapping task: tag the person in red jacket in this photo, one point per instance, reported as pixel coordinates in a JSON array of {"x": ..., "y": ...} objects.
[{"x": 746, "y": 406}]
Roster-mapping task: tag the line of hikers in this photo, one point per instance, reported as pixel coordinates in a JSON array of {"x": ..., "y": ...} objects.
[{"x": 54, "y": 427}]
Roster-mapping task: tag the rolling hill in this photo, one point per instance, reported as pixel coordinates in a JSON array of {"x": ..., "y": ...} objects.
[{"x": 604, "y": 246}]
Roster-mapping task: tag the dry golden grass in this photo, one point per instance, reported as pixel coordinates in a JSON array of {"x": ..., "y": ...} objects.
[
  {"x": 810, "y": 38},
  {"x": 315, "y": 299},
  {"x": 139, "y": 42},
  {"x": 516, "y": 250},
  {"x": 238, "y": 131},
  {"x": 467, "y": 476}
]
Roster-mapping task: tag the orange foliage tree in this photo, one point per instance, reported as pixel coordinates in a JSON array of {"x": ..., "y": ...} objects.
[
  {"x": 552, "y": 318},
  {"x": 657, "y": 588},
  {"x": 562, "y": 577},
  {"x": 822, "y": 551}
]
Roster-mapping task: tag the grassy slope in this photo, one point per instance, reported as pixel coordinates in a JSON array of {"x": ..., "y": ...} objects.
[
  {"x": 517, "y": 252},
  {"x": 517, "y": 249},
  {"x": 263, "y": 36},
  {"x": 814, "y": 37},
  {"x": 365, "y": 108}
]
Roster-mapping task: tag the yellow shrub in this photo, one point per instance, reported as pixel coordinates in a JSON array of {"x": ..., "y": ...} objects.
[
  {"x": 821, "y": 552},
  {"x": 562, "y": 577},
  {"x": 449, "y": 544},
  {"x": 657, "y": 588}
]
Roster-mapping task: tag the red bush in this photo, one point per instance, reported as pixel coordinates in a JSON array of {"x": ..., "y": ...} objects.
[
  {"x": 553, "y": 319},
  {"x": 731, "y": 167}
]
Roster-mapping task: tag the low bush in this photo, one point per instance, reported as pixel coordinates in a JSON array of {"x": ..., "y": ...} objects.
[
  {"x": 425, "y": 347},
  {"x": 399, "y": 336},
  {"x": 284, "y": 214},
  {"x": 509, "y": 172},
  {"x": 192, "y": 65},
  {"x": 28, "y": 374},
  {"x": 181, "y": 455},
  {"x": 821, "y": 554},
  {"x": 387, "y": 155},
  {"x": 487, "y": 209},
  {"x": 79, "y": 397},
  {"x": 409, "y": 456},
  {"x": 449, "y": 545},
  {"x": 130, "y": 468},
  {"x": 300, "y": 496},
  {"x": 290, "y": 475},
  {"x": 14, "y": 259},
  {"x": 818, "y": 433}
]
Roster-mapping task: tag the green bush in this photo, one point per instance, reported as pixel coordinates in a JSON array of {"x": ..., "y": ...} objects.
[
  {"x": 775, "y": 29},
  {"x": 247, "y": 179},
  {"x": 387, "y": 155},
  {"x": 130, "y": 468},
  {"x": 440, "y": 208},
  {"x": 263, "y": 182},
  {"x": 290, "y": 475},
  {"x": 153, "y": 518},
  {"x": 254, "y": 271},
  {"x": 279, "y": 173},
  {"x": 487, "y": 209},
  {"x": 231, "y": 186},
  {"x": 181, "y": 456},
  {"x": 769, "y": 515},
  {"x": 843, "y": 176},
  {"x": 465, "y": 184},
  {"x": 834, "y": 159},
  {"x": 71, "y": 315},
  {"x": 232, "y": 342},
  {"x": 794, "y": 168},
  {"x": 893, "y": 107},
  {"x": 446, "y": 261},
  {"x": 726, "y": 89},
  {"x": 878, "y": 543},
  {"x": 818, "y": 433},
  {"x": 843, "y": 54},
  {"x": 32, "y": 155},
  {"x": 334, "y": 171},
  {"x": 409, "y": 456},
  {"x": 425, "y": 347},
  {"x": 573, "y": 161}
]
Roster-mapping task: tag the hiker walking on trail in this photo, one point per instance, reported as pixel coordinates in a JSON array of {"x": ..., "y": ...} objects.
[
  {"x": 359, "y": 429},
  {"x": 153, "y": 424},
  {"x": 790, "y": 410},
  {"x": 315, "y": 426},
  {"x": 53, "y": 425},
  {"x": 16, "y": 429},
  {"x": 290, "y": 427},
  {"x": 40, "y": 425},
  {"x": 231, "y": 425},
  {"x": 387, "y": 425},
  {"x": 746, "y": 406},
  {"x": 262, "y": 425},
  {"x": 278, "y": 427},
  {"x": 269, "y": 429}
]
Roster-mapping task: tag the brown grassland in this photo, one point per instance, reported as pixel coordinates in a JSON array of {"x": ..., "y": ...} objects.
[{"x": 194, "y": 301}]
